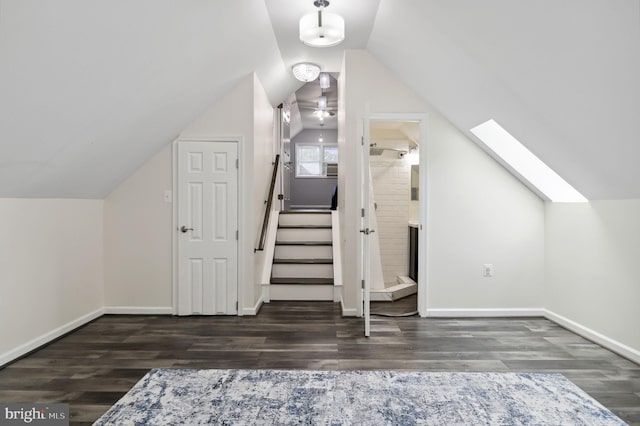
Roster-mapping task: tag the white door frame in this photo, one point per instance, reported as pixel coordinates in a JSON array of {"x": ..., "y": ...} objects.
[
  {"x": 424, "y": 218},
  {"x": 244, "y": 262},
  {"x": 364, "y": 228}
]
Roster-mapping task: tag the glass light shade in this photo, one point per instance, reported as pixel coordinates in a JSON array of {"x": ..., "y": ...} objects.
[
  {"x": 306, "y": 71},
  {"x": 322, "y": 103},
  {"x": 325, "y": 81},
  {"x": 321, "y": 29}
]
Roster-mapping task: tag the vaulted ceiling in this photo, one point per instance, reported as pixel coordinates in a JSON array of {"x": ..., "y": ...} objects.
[{"x": 90, "y": 90}]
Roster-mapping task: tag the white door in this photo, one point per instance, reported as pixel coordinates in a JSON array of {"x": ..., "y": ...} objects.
[
  {"x": 365, "y": 229},
  {"x": 207, "y": 185}
]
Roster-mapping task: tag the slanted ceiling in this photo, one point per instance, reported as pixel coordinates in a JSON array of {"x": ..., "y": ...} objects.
[{"x": 90, "y": 90}]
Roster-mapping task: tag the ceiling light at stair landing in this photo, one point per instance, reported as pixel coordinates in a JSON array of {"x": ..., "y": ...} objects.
[
  {"x": 325, "y": 80},
  {"x": 306, "y": 71},
  {"x": 321, "y": 29}
]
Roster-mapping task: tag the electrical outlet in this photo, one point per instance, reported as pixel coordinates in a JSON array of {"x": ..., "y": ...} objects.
[
  {"x": 168, "y": 196},
  {"x": 487, "y": 270}
]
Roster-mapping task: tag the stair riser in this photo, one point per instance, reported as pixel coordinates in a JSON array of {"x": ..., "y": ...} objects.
[
  {"x": 301, "y": 292},
  {"x": 302, "y": 271},
  {"x": 305, "y": 219},
  {"x": 304, "y": 252},
  {"x": 303, "y": 235}
]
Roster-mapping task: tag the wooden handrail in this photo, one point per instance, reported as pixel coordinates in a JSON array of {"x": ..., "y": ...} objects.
[{"x": 268, "y": 202}]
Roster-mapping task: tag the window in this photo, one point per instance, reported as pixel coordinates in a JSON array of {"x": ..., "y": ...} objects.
[
  {"x": 311, "y": 160},
  {"x": 526, "y": 164}
]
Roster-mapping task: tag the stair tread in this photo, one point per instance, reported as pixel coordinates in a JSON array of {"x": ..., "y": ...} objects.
[
  {"x": 303, "y": 261},
  {"x": 303, "y": 281},
  {"x": 304, "y": 243},
  {"x": 304, "y": 226}
]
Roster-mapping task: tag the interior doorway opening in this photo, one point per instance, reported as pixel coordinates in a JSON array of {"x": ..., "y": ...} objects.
[
  {"x": 304, "y": 240},
  {"x": 310, "y": 148},
  {"x": 393, "y": 199}
]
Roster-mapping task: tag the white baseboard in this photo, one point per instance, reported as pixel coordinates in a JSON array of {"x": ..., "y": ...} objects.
[
  {"x": 138, "y": 310},
  {"x": 255, "y": 309},
  {"x": 594, "y": 336},
  {"x": 486, "y": 313},
  {"x": 351, "y": 312},
  {"x": 48, "y": 337}
]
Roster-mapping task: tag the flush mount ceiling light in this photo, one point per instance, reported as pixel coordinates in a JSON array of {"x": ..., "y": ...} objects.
[
  {"x": 306, "y": 71},
  {"x": 321, "y": 29}
]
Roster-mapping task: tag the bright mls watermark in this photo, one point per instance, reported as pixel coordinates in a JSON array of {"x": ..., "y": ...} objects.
[{"x": 34, "y": 414}]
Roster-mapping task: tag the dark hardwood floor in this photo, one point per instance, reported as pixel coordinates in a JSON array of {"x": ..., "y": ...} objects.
[
  {"x": 406, "y": 306},
  {"x": 94, "y": 366}
]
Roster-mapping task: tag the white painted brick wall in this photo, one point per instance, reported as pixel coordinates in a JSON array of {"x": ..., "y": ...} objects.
[{"x": 391, "y": 187}]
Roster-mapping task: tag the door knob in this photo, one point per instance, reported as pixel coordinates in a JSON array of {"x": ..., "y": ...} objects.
[{"x": 185, "y": 229}]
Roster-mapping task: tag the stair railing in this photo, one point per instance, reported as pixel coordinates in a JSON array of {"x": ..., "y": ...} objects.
[{"x": 268, "y": 202}]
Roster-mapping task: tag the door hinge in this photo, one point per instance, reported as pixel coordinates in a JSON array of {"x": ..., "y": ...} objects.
[
  {"x": 362, "y": 140},
  {"x": 236, "y": 306},
  {"x": 237, "y": 163},
  {"x": 362, "y": 212},
  {"x": 236, "y": 235},
  {"x": 362, "y": 283}
]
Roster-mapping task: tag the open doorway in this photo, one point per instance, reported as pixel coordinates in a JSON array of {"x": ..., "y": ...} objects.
[
  {"x": 393, "y": 202},
  {"x": 304, "y": 250},
  {"x": 394, "y": 164},
  {"x": 312, "y": 149}
]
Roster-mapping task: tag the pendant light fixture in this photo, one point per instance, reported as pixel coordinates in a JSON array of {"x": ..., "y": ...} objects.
[
  {"x": 321, "y": 29},
  {"x": 322, "y": 103},
  {"x": 325, "y": 81}
]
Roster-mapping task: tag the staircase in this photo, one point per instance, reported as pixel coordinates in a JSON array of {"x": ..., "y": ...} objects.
[{"x": 303, "y": 258}]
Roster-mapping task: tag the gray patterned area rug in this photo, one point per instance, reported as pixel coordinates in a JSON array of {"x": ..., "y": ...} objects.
[{"x": 265, "y": 397}]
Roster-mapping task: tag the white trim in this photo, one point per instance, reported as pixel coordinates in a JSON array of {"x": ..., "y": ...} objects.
[
  {"x": 243, "y": 220},
  {"x": 337, "y": 259},
  {"x": 270, "y": 246},
  {"x": 352, "y": 312},
  {"x": 594, "y": 336},
  {"x": 256, "y": 308},
  {"x": 174, "y": 227},
  {"x": 486, "y": 313},
  {"x": 139, "y": 310},
  {"x": 43, "y": 339}
]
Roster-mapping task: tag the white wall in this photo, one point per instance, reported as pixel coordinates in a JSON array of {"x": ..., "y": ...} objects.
[
  {"x": 592, "y": 268},
  {"x": 51, "y": 277},
  {"x": 478, "y": 212},
  {"x": 138, "y": 223},
  {"x": 137, "y": 239},
  {"x": 263, "y": 148}
]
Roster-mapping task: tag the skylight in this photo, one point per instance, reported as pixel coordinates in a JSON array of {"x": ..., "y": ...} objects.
[{"x": 525, "y": 163}]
